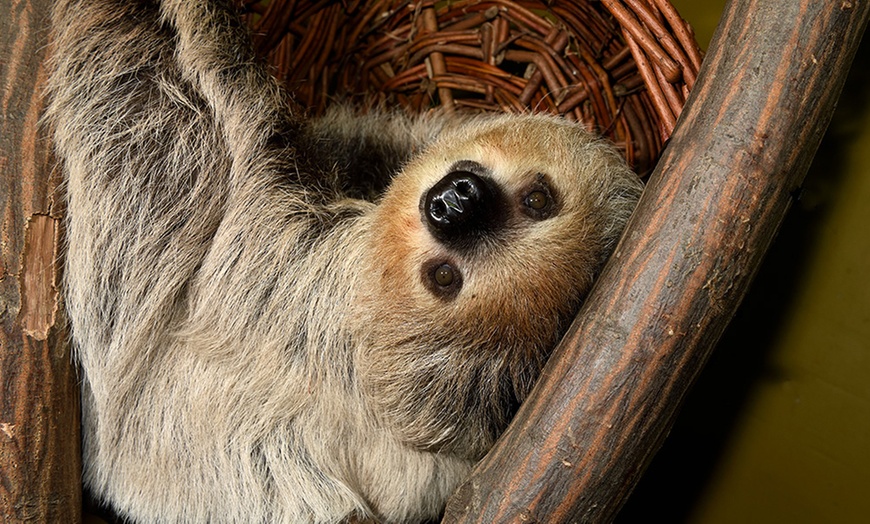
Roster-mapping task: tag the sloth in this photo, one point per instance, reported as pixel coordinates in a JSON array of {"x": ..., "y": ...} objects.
[{"x": 285, "y": 319}]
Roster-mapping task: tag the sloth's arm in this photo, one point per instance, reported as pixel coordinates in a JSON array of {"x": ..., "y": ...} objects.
[
  {"x": 147, "y": 169},
  {"x": 178, "y": 152},
  {"x": 214, "y": 53},
  {"x": 354, "y": 154}
]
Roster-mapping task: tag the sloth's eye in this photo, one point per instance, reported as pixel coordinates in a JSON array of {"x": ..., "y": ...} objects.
[
  {"x": 442, "y": 279},
  {"x": 444, "y": 275},
  {"x": 537, "y": 200}
]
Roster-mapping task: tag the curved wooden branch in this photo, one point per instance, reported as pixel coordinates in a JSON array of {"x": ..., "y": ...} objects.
[{"x": 764, "y": 97}]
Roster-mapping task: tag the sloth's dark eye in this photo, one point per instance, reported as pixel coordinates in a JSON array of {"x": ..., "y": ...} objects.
[
  {"x": 442, "y": 278},
  {"x": 537, "y": 200},
  {"x": 444, "y": 275}
]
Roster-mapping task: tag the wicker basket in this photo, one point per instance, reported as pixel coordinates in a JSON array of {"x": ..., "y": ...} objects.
[{"x": 622, "y": 67}]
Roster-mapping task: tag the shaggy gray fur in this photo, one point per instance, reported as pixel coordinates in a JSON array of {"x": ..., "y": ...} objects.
[{"x": 262, "y": 341}]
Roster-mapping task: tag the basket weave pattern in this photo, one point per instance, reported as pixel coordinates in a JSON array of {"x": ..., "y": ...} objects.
[{"x": 621, "y": 67}]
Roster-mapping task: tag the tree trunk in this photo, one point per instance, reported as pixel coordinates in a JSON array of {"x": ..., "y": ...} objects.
[
  {"x": 744, "y": 142},
  {"x": 40, "y": 463}
]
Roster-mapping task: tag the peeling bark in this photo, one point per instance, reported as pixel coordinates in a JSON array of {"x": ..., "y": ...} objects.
[{"x": 38, "y": 277}]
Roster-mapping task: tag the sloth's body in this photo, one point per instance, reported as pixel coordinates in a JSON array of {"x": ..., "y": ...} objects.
[{"x": 258, "y": 343}]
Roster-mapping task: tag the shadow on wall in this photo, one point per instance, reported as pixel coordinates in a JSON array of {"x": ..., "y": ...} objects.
[{"x": 684, "y": 469}]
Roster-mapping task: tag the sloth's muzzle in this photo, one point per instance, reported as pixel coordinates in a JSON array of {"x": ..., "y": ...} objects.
[{"x": 461, "y": 206}]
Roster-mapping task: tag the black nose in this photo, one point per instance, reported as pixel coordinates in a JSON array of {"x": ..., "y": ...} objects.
[{"x": 459, "y": 205}]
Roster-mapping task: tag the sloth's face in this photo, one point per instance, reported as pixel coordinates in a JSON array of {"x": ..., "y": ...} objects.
[
  {"x": 472, "y": 210},
  {"x": 501, "y": 222},
  {"x": 484, "y": 246}
]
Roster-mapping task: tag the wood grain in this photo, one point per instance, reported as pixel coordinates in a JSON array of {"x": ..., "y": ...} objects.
[
  {"x": 40, "y": 464},
  {"x": 743, "y": 144}
]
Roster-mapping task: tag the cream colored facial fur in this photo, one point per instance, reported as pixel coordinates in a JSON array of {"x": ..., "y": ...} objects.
[{"x": 261, "y": 340}]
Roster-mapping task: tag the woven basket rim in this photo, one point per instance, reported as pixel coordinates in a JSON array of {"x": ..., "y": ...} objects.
[{"x": 622, "y": 67}]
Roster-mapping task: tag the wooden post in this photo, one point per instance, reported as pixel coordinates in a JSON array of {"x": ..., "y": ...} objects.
[
  {"x": 742, "y": 146},
  {"x": 40, "y": 463}
]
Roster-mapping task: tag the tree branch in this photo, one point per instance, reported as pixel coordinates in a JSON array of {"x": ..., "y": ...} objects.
[
  {"x": 764, "y": 97},
  {"x": 40, "y": 462}
]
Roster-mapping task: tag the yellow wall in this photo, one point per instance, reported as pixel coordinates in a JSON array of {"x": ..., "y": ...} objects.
[{"x": 777, "y": 428}]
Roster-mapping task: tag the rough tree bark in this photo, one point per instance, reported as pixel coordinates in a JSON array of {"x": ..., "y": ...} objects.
[
  {"x": 40, "y": 471},
  {"x": 744, "y": 142}
]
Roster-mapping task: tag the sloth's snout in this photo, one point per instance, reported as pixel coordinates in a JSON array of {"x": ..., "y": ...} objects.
[
  {"x": 457, "y": 200},
  {"x": 460, "y": 205}
]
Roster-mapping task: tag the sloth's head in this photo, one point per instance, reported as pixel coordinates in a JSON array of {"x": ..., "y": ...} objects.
[{"x": 483, "y": 248}]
